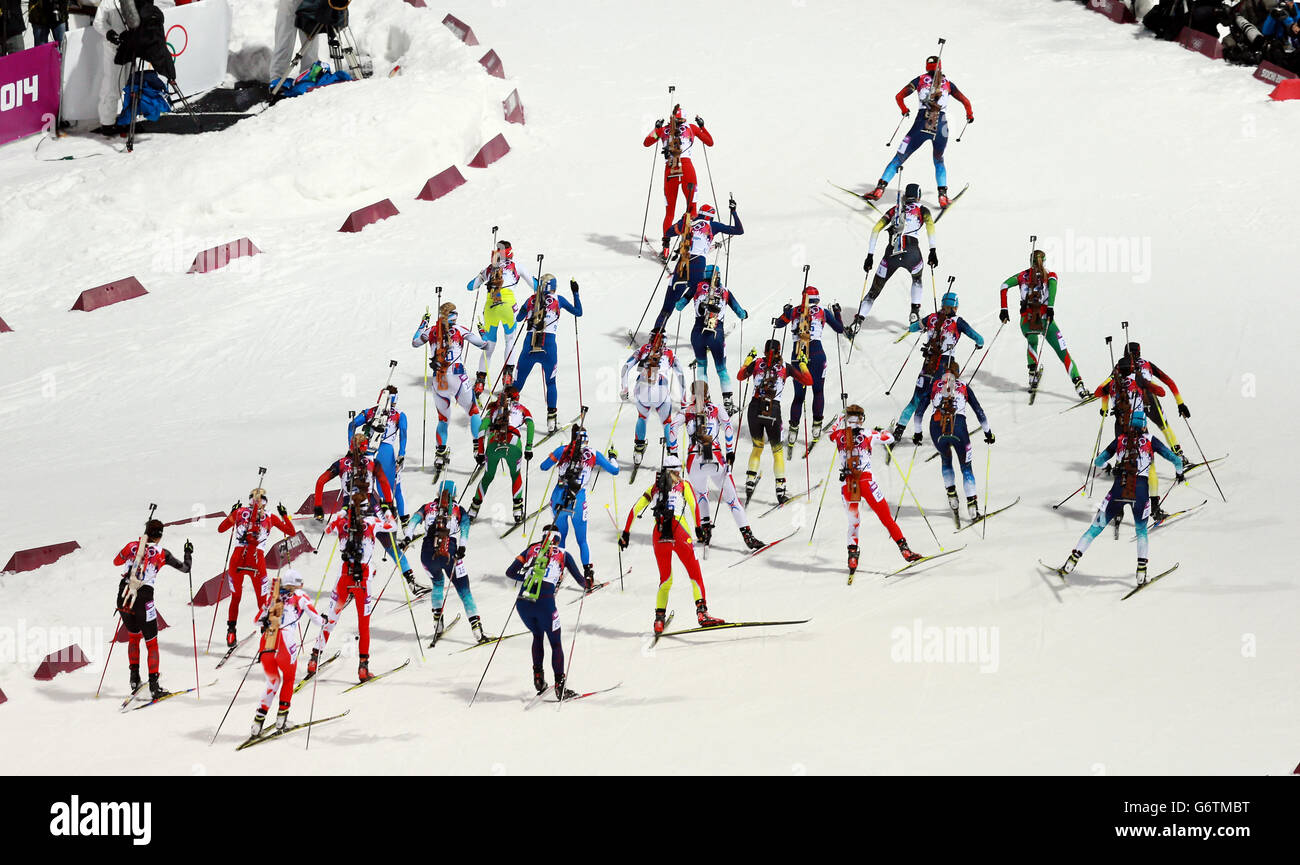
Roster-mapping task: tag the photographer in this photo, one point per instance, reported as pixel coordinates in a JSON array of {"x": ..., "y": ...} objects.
[
  {"x": 287, "y": 35},
  {"x": 49, "y": 20},
  {"x": 1281, "y": 31},
  {"x": 11, "y": 27},
  {"x": 1244, "y": 44}
]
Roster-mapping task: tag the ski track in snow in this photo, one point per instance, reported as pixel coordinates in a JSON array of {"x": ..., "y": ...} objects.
[{"x": 1082, "y": 131}]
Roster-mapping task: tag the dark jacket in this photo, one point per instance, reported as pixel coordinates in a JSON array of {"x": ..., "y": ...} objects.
[{"x": 47, "y": 13}]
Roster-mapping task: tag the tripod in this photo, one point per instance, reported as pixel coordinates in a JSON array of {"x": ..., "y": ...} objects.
[{"x": 136, "y": 82}]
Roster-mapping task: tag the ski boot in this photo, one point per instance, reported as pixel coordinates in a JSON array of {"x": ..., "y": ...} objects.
[
  {"x": 908, "y": 555},
  {"x": 659, "y": 622},
  {"x": 750, "y": 541},
  {"x": 664, "y": 253},
  {"x": 943, "y": 196},
  {"x": 853, "y": 559},
  {"x": 473, "y": 509},
  {"x": 852, "y": 328},
  {"x": 751, "y": 483},
  {"x": 816, "y": 431},
  {"x": 897, "y": 433},
  {"x": 1070, "y": 562},
  {"x": 437, "y": 624},
  {"x": 1080, "y": 388},
  {"x": 480, "y": 379},
  {"x": 638, "y": 452},
  {"x": 519, "y": 510},
  {"x": 552, "y": 422},
  {"x": 706, "y": 531},
  {"x": 791, "y": 436},
  {"x": 409, "y": 576},
  {"x": 973, "y": 507},
  {"x": 729, "y": 404},
  {"x": 1158, "y": 513},
  {"x": 874, "y": 195},
  {"x": 781, "y": 497},
  {"x": 231, "y": 639},
  {"x": 917, "y": 438},
  {"x": 313, "y": 662},
  {"x": 914, "y": 315},
  {"x": 1035, "y": 376},
  {"x": 589, "y": 573},
  {"x": 259, "y": 718},
  {"x": 507, "y": 375},
  {"x": 441, "y": 457},
  {"x": 539, "y": 681},
  {"x": 135, "y": 678},
  {"x": 702, "y": 615},
  {"x": 363, "y": 669},
  {"x": 1142, "y": 572},
  {"x": 953, "y": 501},
  {"x": 282, "y": 717},
  {"x": 157, "y": 691},
  {"x": 1187, "y": 463},
  {"x": 476, "y": 625},
  {"x": 561, "y": 692}
]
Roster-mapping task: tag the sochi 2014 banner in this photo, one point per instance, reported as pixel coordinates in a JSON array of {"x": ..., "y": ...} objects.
[
  {"x": 29, "y": 91},
  {"x": 198, "y": 36}
]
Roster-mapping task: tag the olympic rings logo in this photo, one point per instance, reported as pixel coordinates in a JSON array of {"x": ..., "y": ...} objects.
[{"x": 171, "y": 46}]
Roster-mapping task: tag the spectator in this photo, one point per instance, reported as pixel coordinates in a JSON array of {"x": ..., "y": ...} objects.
[
  {"x": 1244, "y": 43},
  {"x": 1168, "y": 18},
  {"x": 49, "y": 20},
  {"x": 287, "y": 36},
  {"x": 12, "y": 27}
]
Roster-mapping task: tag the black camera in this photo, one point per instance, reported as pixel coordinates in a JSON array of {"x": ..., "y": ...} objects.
[{"x": 321, "y": 16}]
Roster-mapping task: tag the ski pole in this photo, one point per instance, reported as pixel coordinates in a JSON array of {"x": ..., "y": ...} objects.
[
  {"x": 577, "y": 350},
  {"x": 963, "y": 128},
  {"x": 985, "y": 355},
  {"x": 311, "y": 711},
  {"x": 854, "y": 340},
  {"x": 1070, "y": 496},
  {"x": 898, "y": 510},
  {"x": 424, "y": 412},
  {"x": 614, "y": 523},
  {"x": 904, "y": 366},
  {"x": 650, "y": 188},
  {"x": 504, "y": 625},
  {"x": 1205, "y": 461},
  {"x": 826, "y": 485},
  {"x": 710, "y": 173},
  {"x": 112, "y": 640},
  {"x": 918, "y": 505},
  {"x": 225, "y": 573},
  {"x": 234, "y": 698},
  {"x": 988, "y": 459},
  {"x": 198, "y": 695},
  {"x": 573, "y": 643},
  {"x": 1092, "y": 463},
  {"x": 410, "y": 609},
  {"x": 890, "y": 142}
]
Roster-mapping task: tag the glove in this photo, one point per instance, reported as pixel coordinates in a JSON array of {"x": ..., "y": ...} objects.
[
  {"x": 424, "y": 320},
  {"x": 835, "y": 308},
  {"x": 706, "y": 534},
  {"x": 751, "y": 357},
  {"x": 112, "y": 37},
  {"x": 460, "y": 552},
  {"x": 659, "y": 124},
  {"x": 1103, "y": 412},
  {"x": 611, "y": 454},
  {"x": 318, "y": 512},
  {"x": 731, "y": 203},
  {"x": 699, "y": 121},
  {"x": 234, "y": 508},
  {"x": 970, "y": 118},
  {"x": 979, "y": 345},
  {"x": 917, "y": 438},
  {"x": 744, "y": 314},
  {"x": 623, "y": 540},
  {"x": 907, "y": 112},
  {"x": 401, "y": 461},
  {"x": 933, "y": 260},
  {"x": 189, "y": 548},
  {"x": 870, "y": 260},
  {"x": 1184, "y": 411},
  {"x": 1024, "y": 306},
  {"x": 989, "y": 437},
  {"x": 1180, "y": 478},
  {"x": 480, "y": 458},
  {"x": 623, "y": 395},
  {"x": 844, "y": 475},
  {"x": 1049, "y": 314},
  {"x": 787, "y": 310},
  {"x": 386, "y": 506},
  {"x": 573, "y": 285},
  {"x": 528, "y": 456},
  {"x": 852, "y": 330},
  {"x": 281, "y": 509},
  {"x": 1004, "y": 316},
  {"x": 731, "y": 459}
]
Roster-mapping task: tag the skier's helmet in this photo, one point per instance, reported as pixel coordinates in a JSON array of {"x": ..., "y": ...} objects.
[
  {"x": 1138, "y": 420},
  {"x": 291, "y": 580},
  {"x": 812, "y": 295},
  {"x": 707, "y": 211},
  {"x": 950, "y": 300},
  {"x": 933, "y": 63},
  {"x": 911, "y": 193}
]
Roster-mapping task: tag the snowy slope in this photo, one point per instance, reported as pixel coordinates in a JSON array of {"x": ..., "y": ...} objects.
[{"x": 1085, "y": 135}]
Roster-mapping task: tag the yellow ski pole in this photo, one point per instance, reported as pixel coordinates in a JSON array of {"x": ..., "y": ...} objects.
[{"x": 907, "y": 487}]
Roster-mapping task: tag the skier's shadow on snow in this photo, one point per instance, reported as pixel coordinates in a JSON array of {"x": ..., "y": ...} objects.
[
  {"x": 612, "y": 633},
  {"x": 999, "y": 383},
  {"x": 623, "y": 244}
]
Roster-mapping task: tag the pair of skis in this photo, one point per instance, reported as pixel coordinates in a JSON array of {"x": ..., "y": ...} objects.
[
  {"x": 719, "y": 627},
  {"x": 920, "y": 561},
  {"x": 276, "y": 732},
  {"x": 1060, "y": 572}
]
